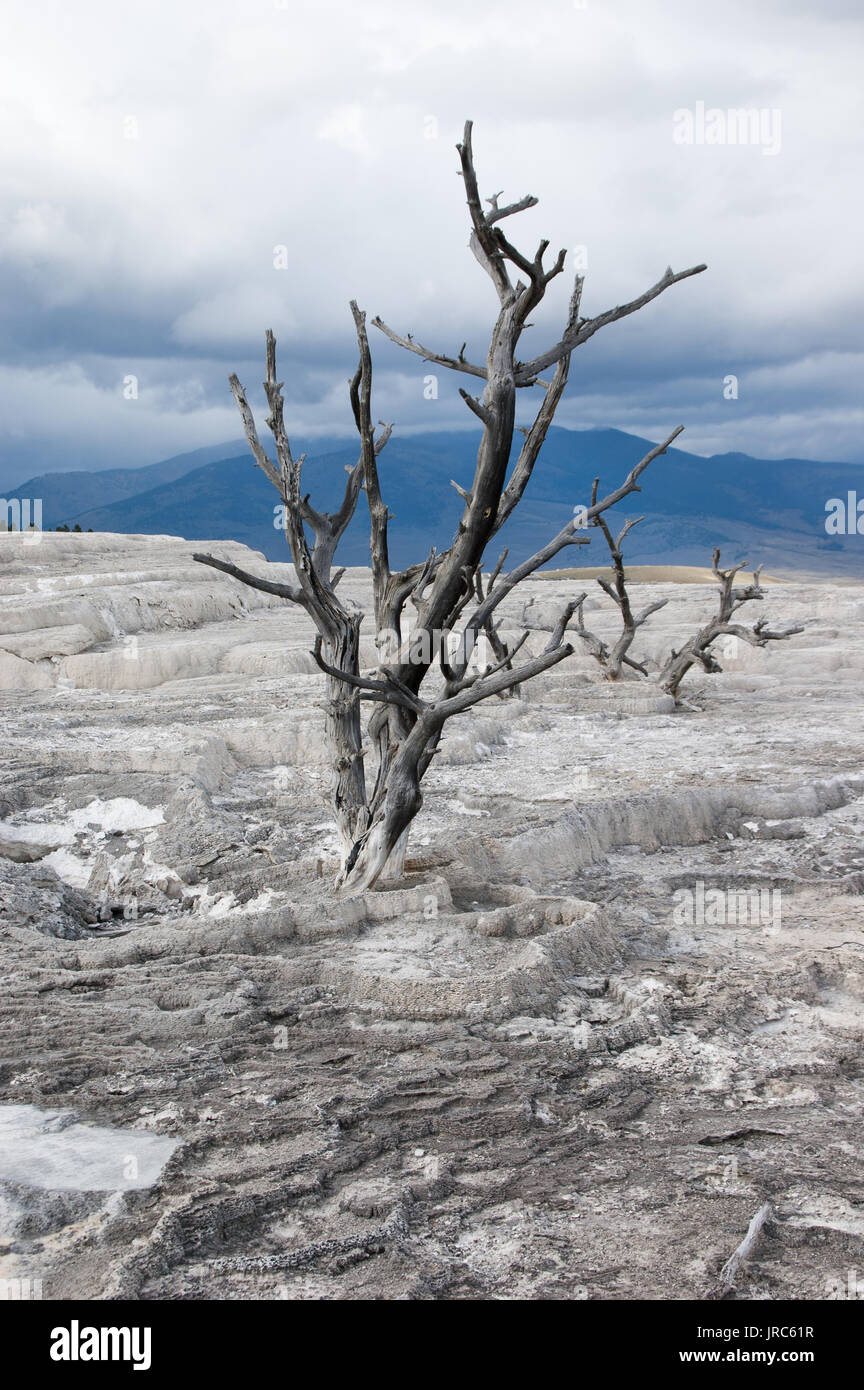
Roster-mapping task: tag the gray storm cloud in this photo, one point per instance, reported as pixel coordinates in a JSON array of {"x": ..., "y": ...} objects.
[{"x": 178, "y": 178}]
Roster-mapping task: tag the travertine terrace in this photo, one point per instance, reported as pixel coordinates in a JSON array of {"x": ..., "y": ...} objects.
[{"x": 535, "y": 1068}]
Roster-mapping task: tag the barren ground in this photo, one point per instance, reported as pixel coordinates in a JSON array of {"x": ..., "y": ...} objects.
[{"x": 530, "y": 1071}]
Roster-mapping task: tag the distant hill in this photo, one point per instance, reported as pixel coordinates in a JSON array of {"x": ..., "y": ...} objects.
[
  {"x": 767, "y": 510},
  {"x": 66, "y": 495}
]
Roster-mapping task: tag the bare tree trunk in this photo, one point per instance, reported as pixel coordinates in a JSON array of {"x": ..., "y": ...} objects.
[
  {"x": 344, "y": 739},
  {"x": 371, "y": 854},
  {"x": 404, "y": 731},
  {"x": 694, "y": 653},
  {"x": 394, "y": 869}
]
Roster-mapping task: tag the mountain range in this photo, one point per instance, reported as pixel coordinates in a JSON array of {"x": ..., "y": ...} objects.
[{"x": 766, "y": 510}]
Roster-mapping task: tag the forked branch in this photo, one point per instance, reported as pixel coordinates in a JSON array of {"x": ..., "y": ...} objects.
[
  {"x": 612, "y": 659},
  {"x": 698, "y": 650}
]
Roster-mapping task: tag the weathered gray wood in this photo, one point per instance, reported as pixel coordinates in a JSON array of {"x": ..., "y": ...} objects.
[
  {"x": 613, "y": 658},
  {"x": 729, "y": 1273},
  {"x": 404, "y": 729},
  {"x": 697, "y": 650}
]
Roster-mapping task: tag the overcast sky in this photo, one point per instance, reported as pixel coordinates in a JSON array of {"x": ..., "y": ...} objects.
[{"x": 154, "y": 155}]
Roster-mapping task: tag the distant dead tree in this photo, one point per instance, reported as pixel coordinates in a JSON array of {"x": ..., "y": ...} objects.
[
  {"x": 697, "y": 651},
  {"x": 613, "y": 658},
  {"x": 373, "y": 812},
  {"x": 501, "y": 653}
]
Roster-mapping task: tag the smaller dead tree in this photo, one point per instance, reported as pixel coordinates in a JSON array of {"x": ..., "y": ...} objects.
[
  {"x": 613, "y": 659},
  {"x": 697, "y": 651}
]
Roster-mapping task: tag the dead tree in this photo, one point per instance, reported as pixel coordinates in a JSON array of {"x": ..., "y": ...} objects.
[
  {"x": 697, "y": 651},
  {"x": 374, "y": 807},
  {"x": 611, "y": 659},
  {"x": 498, "y": 650}
]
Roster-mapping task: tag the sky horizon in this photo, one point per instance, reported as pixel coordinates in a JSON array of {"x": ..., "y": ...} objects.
[
  {"x": 178, "y": 182},
  {"x": 349, "y": 437}
]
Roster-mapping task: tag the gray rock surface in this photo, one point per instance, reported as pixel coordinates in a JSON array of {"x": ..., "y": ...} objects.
[{"x": 540, "y": 1067}]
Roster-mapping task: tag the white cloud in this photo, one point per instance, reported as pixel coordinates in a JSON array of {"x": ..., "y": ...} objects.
[{"x": 345, "y": 127}]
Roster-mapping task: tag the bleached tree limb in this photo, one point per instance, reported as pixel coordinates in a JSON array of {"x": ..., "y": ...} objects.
[
  {"x": 536, "y": 435},
  {"x": 697, "y": 650},
  {"x": 389, "y": 690},
  {"x": 455, "y": 364},
  {"x": 251, "y": 432},
  {"x": 613, "y": 658},
  {"x": 589, "y": 327},
  {"x": 728, "y": 1276},
  {"x": 594, "y": 645},
  {"x": 565, "y": 537},
  {"x": 498, "y": 213},
  {"x": 267, "y": 586}
]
